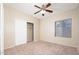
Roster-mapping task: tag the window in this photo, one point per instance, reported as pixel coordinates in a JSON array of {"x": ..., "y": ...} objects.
[{"x": 63, "y": 28}]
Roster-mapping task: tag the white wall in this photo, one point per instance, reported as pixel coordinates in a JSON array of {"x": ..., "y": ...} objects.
[
  {"x": 15, "y": 27},
  {"x": 47, "y": 29}
]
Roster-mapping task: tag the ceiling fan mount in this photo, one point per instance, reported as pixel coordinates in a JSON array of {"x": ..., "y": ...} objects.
[{"x": 44, "y": 8}]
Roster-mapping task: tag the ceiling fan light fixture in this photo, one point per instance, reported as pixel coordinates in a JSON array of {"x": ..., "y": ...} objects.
[
  {"x": 43, "y": 11},
  {"x": 42, "y": 14}
]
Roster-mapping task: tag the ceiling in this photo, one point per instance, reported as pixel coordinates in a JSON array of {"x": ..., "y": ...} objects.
[{"x": 29, "y": 8}]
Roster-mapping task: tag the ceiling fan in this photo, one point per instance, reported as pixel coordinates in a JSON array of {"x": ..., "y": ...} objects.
[{"x": 43, "y": 9}]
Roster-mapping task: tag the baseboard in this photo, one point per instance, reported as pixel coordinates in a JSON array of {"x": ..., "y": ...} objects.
[
  {"x": 59, "y": 44},
  {"x": 14, "y": 46}
]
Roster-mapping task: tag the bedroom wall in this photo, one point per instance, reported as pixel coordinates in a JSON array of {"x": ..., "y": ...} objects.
[
  {"x": 47, "y": 28},
  {"x": 12, "y": 15}
]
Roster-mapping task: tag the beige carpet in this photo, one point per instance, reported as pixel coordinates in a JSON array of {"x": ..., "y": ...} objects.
[{"x": 41, "y": 48}]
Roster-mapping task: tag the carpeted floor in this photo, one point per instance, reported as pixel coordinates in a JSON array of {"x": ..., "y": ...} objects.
[{"x": 41, "y": 48}]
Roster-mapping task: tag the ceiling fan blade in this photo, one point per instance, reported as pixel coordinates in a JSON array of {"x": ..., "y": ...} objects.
[
  {"x": 37, "y": 12},
  {"x": 37, "y": 6},
  {"x": 49, "y": 11},
  {"x": 48, "y": 5}
]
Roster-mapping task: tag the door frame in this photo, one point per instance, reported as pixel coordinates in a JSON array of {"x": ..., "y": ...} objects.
[{"x": 32, "y": 30}]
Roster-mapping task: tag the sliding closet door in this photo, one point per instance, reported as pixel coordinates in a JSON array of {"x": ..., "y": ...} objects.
[{"x": 20, "y": 32}]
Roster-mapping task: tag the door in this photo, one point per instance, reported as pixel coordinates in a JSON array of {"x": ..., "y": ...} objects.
[
  {"x": 30, "y": 32},
  {"x": 20, "y": 33}
]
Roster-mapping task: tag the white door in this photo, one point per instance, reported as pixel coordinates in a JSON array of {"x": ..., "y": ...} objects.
[{"x": 20, "y": 32}]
